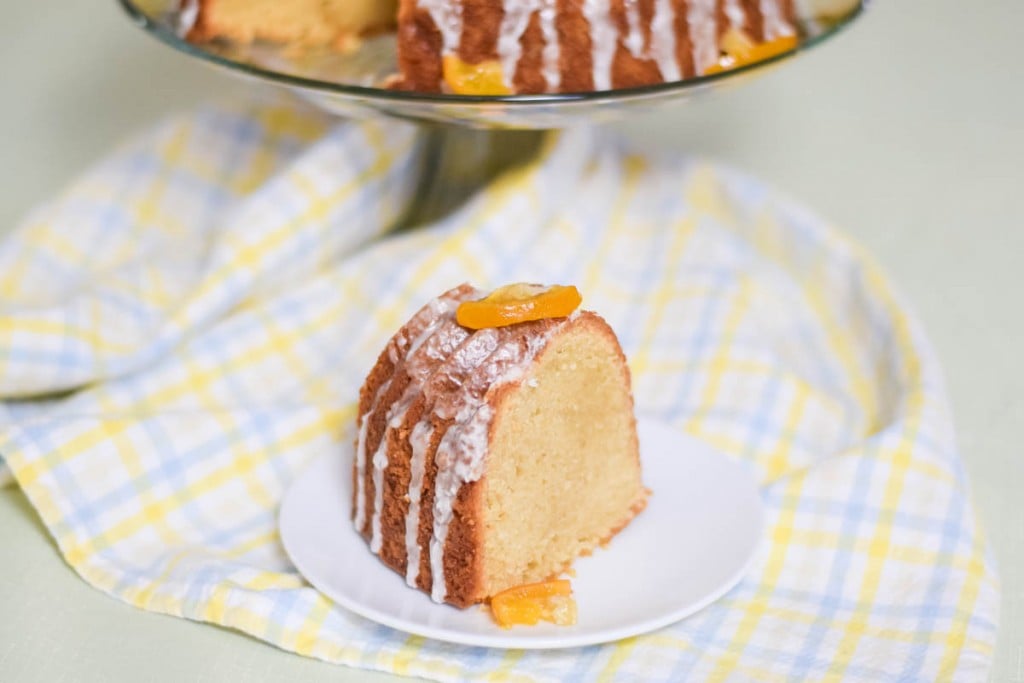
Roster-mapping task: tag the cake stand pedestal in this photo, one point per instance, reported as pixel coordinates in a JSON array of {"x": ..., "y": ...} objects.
[{"x": 456, "y": 162}]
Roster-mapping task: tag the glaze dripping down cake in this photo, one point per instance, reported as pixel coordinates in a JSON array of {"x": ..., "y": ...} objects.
[
  {"x": 497, "y": 47},
  {"x": 491, "y": 458},
  {"x": 538, "y": 46}
]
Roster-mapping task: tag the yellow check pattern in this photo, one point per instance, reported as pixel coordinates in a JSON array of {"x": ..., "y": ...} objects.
[{"x": 189, "y": 324}]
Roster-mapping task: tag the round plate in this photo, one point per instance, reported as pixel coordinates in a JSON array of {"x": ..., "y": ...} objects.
[
  {"x": 690, "y": 545},
  {"x": 347, "y": 84}
]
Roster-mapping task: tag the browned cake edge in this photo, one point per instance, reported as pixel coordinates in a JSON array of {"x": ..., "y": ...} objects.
[{"x": 389, "y": 367}]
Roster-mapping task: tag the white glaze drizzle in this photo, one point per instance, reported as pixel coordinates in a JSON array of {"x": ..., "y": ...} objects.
[
  {"x": 447, "y": 16},
  {"x": 380, "y": 463},
  {"x": 552, "y": 51},
  {"x": 426, "y": 316},
  {"x": 603, "y": 41},
  {"x": 663, "y": 40},
  {"x": 702, "y": 19},
  {"x": 419, "y": 440},
  {"x": 442, "y": 312},
  {"x": 460, "y": 455},
  {"x": 470, "y": 442},
  {"x": 187, "y": 16},
  {"x": 360, "y": 517},
  {"x": 634, "y": 41},
  {"x": 775, "y": 25},
  {"x": 735, "y": 14},
  {"x": 434, "y": 344},
  {"x": 454, "y": 372},
  {"x": 516, "y": 19}
]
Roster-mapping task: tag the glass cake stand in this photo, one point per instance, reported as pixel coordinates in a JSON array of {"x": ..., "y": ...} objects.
[
  {"x": 348, "y": 84},
  {"x": 467, "y": 137}
]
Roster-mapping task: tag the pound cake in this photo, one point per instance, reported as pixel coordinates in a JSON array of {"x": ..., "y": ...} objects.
[
  {"x": 499, "y": 47},
  {"x": 308, "y": 23},
  {"x": 494, "y": 449}
]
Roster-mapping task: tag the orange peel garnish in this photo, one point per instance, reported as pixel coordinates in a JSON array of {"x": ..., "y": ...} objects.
[
  {"x": 518, "y": 303},
  {"x": 534, "y": 602},
  {"x": 740, "y": 50},
  {"x": 484, "y": 78}
]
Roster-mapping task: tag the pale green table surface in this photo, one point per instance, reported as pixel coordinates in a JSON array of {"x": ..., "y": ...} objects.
[{"x": 908, "y": 132}]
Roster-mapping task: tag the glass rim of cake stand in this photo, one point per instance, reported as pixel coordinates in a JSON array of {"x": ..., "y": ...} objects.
[{"x": 164, "y": 32}]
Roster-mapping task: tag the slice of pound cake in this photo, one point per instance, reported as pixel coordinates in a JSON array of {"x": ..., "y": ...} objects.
[{"x": 496, "y": 442}]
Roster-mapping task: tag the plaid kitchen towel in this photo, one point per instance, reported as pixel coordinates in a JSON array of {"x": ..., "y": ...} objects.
[{"x": 188, "y": 326}]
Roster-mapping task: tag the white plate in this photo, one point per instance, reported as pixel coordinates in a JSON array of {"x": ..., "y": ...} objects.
[{"x": 688, "y": 548}]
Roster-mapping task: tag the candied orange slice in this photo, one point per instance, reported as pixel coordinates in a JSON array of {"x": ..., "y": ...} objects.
[
  {"x": 464, "y": 78},
  {"x": 740, "y": 49},
  {"x": 738, "y": 44},
  {"x": 518, "y": 303},
  {"x": 529, "y": 604}
]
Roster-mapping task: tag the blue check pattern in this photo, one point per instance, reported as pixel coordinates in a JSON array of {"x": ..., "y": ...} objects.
[{"x": 188, "y": 325}]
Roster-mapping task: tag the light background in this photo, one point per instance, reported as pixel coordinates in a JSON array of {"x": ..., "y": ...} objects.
[{"x": 908, "y": 132}]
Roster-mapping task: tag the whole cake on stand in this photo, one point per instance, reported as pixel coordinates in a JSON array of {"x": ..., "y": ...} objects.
[{"x": 500, "y": 47}]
